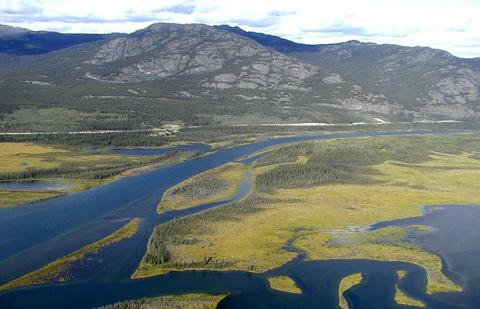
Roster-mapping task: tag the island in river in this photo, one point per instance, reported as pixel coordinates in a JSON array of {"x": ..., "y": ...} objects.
[{"x": 309, "y": 202}]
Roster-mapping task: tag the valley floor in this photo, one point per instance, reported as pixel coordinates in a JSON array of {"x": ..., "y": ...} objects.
[
  {"x": 313, "y": 200},
  {"x": 321, "y": 197},
  {"x": 67, "y": 168}
]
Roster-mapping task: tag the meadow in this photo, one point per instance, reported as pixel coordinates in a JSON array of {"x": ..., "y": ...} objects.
[
  {"x": 322, "y": 196},
  {"x": 211, "y": 186},
  {"x": 403, "y": 299},
  {"x": 57, "y": 271},
  {"x": 78, "y": 169},
  {"x": 284, "y": 284},
  {"x": 346, "y": 284},
  {"x": 187, "y": 301}
]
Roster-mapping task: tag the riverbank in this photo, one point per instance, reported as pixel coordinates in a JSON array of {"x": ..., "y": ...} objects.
[
  {"x": 57, "y": 271},
  {"x": 316, "y": 192},
  {"x": 72, "y": 169}
]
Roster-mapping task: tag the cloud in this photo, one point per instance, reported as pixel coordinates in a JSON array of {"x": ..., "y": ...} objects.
[
  {"x": 256, "y": 23},
  {"x": 19, "y": 8},
  {"x": 269, "y": 19},
  {"x": 445, "y": 24},
  {"x": 179, "y": 9},
  {"x": 358, "y": 31}
]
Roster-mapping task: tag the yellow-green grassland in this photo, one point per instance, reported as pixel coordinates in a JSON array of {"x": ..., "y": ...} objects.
[
  {"x": 77, "y": 170},
  {"x": 214, "y": 185},
  {"x": 284, "y": 284},
  {"x": 57, "y": 271},
  {"x": 346, "y": 284},
  {"x": 186, "y": 301},
  {"x": 403, "y": 299},
  {"x": 321, "y": 194}
]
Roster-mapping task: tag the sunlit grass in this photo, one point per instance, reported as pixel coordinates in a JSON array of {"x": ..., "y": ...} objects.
[
  {"x": 217, "y": 184},
  {"x": 55, "y": 271},
  {"x": 346, "y": 284},
  {"x": 284, "y": 284},
  {"x": 402, "y": 298},
  {"x": 79, "y": 168},
  {"x": 187, "y": 301},
  {"x": 324, "y": 219}
]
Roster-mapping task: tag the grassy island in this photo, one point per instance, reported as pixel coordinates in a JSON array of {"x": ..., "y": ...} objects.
[
  {"x": 284, "y": 284},
  {"x": 323, "y": 194},
  {"x": 187, "y": 301},
  {"x": 57, "y": 271},
  {"x": 403, "y": 299},
  {"x": 77, "y": 169},
  {"x": 211, "y": 186},
  {"x": 346, "y": 284}
]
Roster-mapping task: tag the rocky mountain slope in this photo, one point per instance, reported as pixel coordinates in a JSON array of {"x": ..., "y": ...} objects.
[
  {"x": 212, "y": 62},
  {"x": 169, "y": 50},
  {"x": 227, "y": 65},
  {"x": 423, "y": 80}
]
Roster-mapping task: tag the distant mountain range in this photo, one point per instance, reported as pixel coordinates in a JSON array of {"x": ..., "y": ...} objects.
[{"x": 230, "y": 65}]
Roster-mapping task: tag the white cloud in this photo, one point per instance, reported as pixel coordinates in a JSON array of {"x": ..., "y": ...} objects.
[{"x": 449, "y": 25}]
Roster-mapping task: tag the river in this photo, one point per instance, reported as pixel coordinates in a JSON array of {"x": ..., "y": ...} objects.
[{"x": 38, "y": 233}]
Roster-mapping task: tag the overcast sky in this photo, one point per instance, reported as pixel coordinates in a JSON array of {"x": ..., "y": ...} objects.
[{"x": 453, "y": 25}]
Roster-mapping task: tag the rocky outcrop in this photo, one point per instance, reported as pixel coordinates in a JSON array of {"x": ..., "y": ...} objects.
[
  {"x": 230, "y": 61},
  {"x": 423, "y": 80}
]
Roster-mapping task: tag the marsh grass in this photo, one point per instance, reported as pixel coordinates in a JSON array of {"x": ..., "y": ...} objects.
[
  {"x": 57, "y": 271},
  {"x": 346, "y": 284},
  {"x": 403, "y": 299},
  {"x": 187, "y": 301},
  {"x": 388, "y": 178},
  {"x": 215, "y": 185},
  {"x": 284, "y": 284},
  {"x": 24, "y": 161}
]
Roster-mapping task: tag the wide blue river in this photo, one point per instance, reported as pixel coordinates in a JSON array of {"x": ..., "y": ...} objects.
[{"x": 35, "y": 234}]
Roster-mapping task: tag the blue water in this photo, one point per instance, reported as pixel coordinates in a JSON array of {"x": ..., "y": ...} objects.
[
  {"x": 35, "y": 234},
  {"x": 160, "y": 151},
  {"x": 33, "y": 185},
  {"x": 455, "y": 237}
]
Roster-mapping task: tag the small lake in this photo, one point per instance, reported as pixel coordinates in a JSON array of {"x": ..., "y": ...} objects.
[{"x": 34, "y": 185}]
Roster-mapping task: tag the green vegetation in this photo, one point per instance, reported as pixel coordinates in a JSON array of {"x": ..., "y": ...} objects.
[
  {"x": 346, "y": 284},
  {"x": 214, "y": 185},
  {"x": 284, "y": 284},
  {"x": 25, "y": 161},
  {"x": 187, "y": 301},
  {"x": 60, "y": 119},
  {"x": 50, "y": 162},
  {"x": 57, "y": 271},
  {"x": 402, "y": 298},
  {"x": 348, "y": 160},
  {"x": 194, "y": 117},
  {"x": 388, "y": 178},
  {"x": 10, "y": 198}
]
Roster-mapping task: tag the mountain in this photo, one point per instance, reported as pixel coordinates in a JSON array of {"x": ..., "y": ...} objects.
[
  {"x": 7, "y": 31},
  {"x": 19, "y": 41},
  {"x": 221, "y": 59},
  {"x": 212, "y": 62},
  {"x": 267, "y": 40},
  {"x": 202, "y": 75},
  {"x": 423, "y": 80}
]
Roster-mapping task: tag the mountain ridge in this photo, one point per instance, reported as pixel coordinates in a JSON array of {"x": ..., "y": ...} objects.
[{"x": 212, "y": 63}]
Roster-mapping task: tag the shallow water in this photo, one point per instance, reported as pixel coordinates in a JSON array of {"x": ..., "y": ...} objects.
[
  {"x": 34, "y": 185},
  {"x": 36, "y": 234},
  {"x": 455, "y": 236},
  {"x": 160, "y": 151}
]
